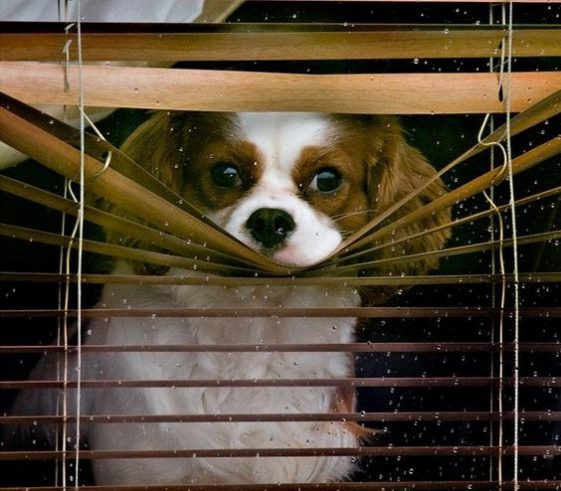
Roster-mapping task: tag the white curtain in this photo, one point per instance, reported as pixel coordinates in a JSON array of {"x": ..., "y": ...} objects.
[{"x": 173, "y": 11}]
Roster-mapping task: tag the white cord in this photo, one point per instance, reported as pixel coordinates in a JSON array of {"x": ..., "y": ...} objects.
[
  {"x": 67, "y": 189},
  {"x": 492, "y": 395},
  {"x": 61, "y": 323},
  {"x": 80, "y": 250},
  {"x": 516, "y": 275},
  {"x": 505, "y": 59},
  {"x": 101, "y": 137},
  {"x": 502, "y": 304}
]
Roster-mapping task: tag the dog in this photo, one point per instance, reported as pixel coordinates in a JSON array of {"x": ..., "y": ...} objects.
[{"x": 292, "y": 186}]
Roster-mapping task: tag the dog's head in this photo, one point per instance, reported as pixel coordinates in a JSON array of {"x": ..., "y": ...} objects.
[{"x": 291, "y": 185}]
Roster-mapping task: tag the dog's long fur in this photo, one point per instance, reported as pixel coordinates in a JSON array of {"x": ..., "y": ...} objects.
[{"x": 278, "y": 158}]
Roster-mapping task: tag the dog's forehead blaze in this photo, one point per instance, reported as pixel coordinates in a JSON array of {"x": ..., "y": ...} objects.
[{"x": 280, "y": 137}]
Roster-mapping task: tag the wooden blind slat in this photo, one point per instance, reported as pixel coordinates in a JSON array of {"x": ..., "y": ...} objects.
[
  {"x": 459, "y": 382},
  {"x": 158, "y": 88},
  {"x": 334, "y": 312},
  {"x": 409, "y": 451},
  {"x": 467, "y": 279},
  {"x": 404, "y": 417},
  {"x": 155, "y": 43},
  {"x": 532, "y": 485},
  {"x": 443, "y": 347}
]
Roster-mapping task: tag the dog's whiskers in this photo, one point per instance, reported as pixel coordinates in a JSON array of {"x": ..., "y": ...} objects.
[{"x": 342, "y": 216}]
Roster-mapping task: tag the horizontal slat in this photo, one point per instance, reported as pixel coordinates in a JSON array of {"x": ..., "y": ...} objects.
[
  {"x": 227, "y": 42},
  {"x": 332, "y": 486},
  {"x": 294, "y": 348},
  {"x": 407, "y": 417},
  {"x": 460, "y": 382},
  {"x": 497, "y": 2},
  {"x": 408, "y": 451},
  {"x": 156, "y": 88},
  {"x": 333, "y": 312},
  {"x": 466, "y": 279}
]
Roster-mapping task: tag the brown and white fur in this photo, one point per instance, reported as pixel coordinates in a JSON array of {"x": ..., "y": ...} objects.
[{"x": 318, "y": 178}]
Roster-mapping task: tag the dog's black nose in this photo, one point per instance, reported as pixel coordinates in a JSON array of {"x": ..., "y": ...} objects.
[{"x": 270, "y": 226}]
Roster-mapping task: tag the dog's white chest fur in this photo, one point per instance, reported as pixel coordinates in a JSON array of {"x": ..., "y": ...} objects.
[{"x": 220, "y": 366}]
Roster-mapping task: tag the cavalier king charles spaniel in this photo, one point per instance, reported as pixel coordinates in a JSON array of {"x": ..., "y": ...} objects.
[{"x": 289, "y": 185}]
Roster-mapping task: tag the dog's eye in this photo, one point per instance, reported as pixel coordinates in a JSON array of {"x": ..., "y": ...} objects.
[
  {"x": 226, "y": 175},
  {"x": 326, "y": 180}
]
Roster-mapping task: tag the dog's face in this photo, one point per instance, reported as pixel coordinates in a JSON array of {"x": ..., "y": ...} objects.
[
  {"x": 281, "y": 183},
  {"x": 291, "y": 185}
]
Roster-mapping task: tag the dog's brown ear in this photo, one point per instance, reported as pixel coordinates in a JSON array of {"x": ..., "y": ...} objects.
[
  {"x": 156, "y": 146},
  {"x": 397, "y": 170}
]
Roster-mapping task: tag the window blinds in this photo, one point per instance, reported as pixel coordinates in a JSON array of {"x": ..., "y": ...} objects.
[{"x": 464, "y": 388}]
